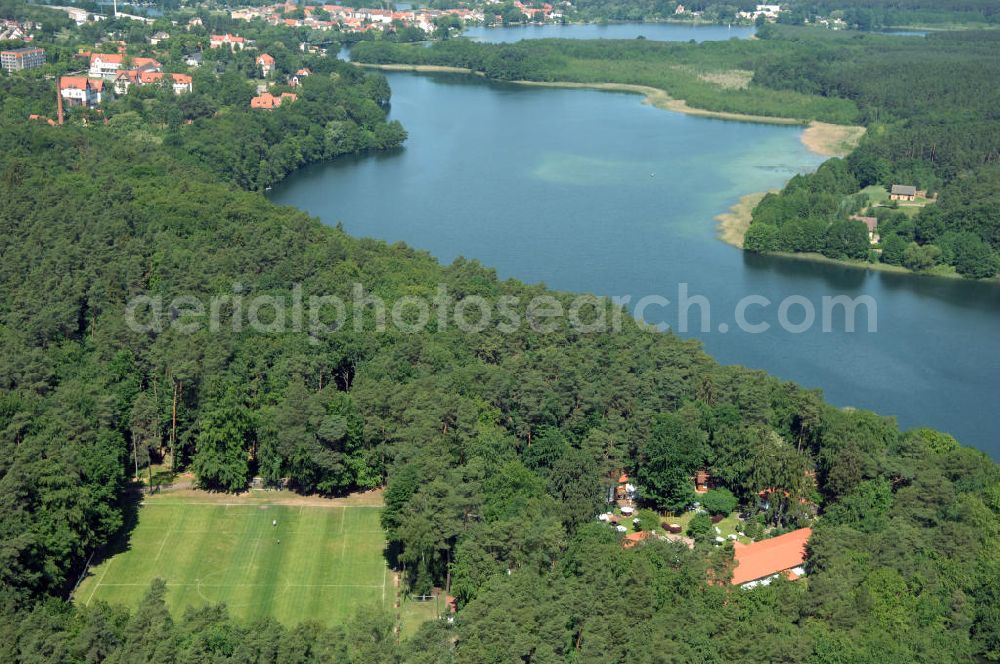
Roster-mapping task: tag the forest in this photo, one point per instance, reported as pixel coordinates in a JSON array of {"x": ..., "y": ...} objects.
[
  {"x": 943, "y": 141},
  {"x": 495, "y": 448}
]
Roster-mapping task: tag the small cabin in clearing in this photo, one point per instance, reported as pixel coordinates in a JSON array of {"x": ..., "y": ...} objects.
[{"x": 903, "y": 192}]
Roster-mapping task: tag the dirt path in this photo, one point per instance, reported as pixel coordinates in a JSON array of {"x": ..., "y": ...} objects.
[{"x": 371, "y": 498}]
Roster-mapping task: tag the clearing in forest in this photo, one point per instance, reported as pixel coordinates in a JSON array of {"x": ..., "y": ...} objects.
[{"x": 316, "y": 560}]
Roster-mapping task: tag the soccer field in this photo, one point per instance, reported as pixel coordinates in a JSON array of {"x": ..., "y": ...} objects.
[{"x": 318, "y": 562}]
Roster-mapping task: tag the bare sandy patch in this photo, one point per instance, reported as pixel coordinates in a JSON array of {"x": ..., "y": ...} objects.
[
  {"x": 733, "y": 79},
  {"x": 831, "y": 140},
  {"x": 733, "y": 225}
]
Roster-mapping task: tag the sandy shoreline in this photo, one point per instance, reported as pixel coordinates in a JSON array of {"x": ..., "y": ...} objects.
[
  {"x": 733, "y": 224},
  {"x": 418, "y": 68},
  {"x": 829, "y": 140}
]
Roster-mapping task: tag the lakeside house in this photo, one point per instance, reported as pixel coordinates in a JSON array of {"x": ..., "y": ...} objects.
[
  {"x": 759, "y": 563},
  {"x": 902, "y": 192},
  {"x": 872, "y": 224}
]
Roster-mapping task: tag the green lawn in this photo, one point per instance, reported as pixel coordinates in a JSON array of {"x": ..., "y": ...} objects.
[
  {"x": 318, "y": 562},
  {"x": 730, "y": 525}
]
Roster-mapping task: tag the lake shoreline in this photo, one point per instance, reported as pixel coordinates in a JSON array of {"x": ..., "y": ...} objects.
[
  {"x": 731, "y": 228},
  {"x": 732, "y": 225},
  {"x": 828, "y": 140}
]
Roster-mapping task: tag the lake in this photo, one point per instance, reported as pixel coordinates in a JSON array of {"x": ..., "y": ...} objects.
[
  {"x": 596, "y": 192},
  {"x": 651, "y": 31}
]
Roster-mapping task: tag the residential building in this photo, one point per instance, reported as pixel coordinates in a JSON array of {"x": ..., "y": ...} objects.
[
  {"x": 107, "y": 65},
  {"x": 193, "y": 59},
  {"x": 902, "y": 192},
  {"x": 266, "y": 64},
  {"x": 11, "y": 30},
  {"x": 81, "y": 91},
  {"x": 297, "y": 77},
  {"x": 159, "y": 37},
  {"x": 181, "y": 83},
  {"x": 702, "y": 481},
  {"x": 872, "y": 224},
  {"x": 759, "y": 563},
  {"x": 268, "y": 102},
  {"x": 20, "y": 59},
  {"x": 232, "y": 42},
  {"x": 78, "y": 15}
]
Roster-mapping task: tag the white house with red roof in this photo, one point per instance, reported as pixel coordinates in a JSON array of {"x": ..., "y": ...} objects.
[
  {"x": 108, "y": 65},
  {"x": 81, "y": 91},
  {"x": 266, "y": 64},
  {"x": 232, "y": 42},
  {"x": 180, "y": 83}
]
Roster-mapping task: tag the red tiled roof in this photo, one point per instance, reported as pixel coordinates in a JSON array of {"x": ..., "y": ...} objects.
[
  {"x": 145, "y": 62},
  {"x": 770, "y": 556},
  {"x": 155, "y": 76},
  {"x": 266, "y": 100},
  {"x": 107, "y": 57},
  {"x": 265, "y": 59},
  {"x": 67, "y": 82},
  {"x": 633, "y": 539},
  {"x": 623, "y": 479}
]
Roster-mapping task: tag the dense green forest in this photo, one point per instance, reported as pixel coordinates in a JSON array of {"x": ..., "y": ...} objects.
[
  {"x": 876, "y": 14},
  {"x": 942, "y": 139},
  {"x": 496, "y": 448},
  {"x": 684, "y": 70}
]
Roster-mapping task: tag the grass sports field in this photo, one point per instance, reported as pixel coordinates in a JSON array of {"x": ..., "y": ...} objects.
[{"x": 319, "y": 562}]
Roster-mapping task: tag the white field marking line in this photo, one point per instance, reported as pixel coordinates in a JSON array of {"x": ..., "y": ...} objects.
[
  {"x": 162, "y": 544},
  {"x": 343, "y": 548},
  {"x": 247, "y": 585},
  {"x": 383, "y": 587},
  {"x": 98, "y": 584},
  {"x": 253, "y": 554}
]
